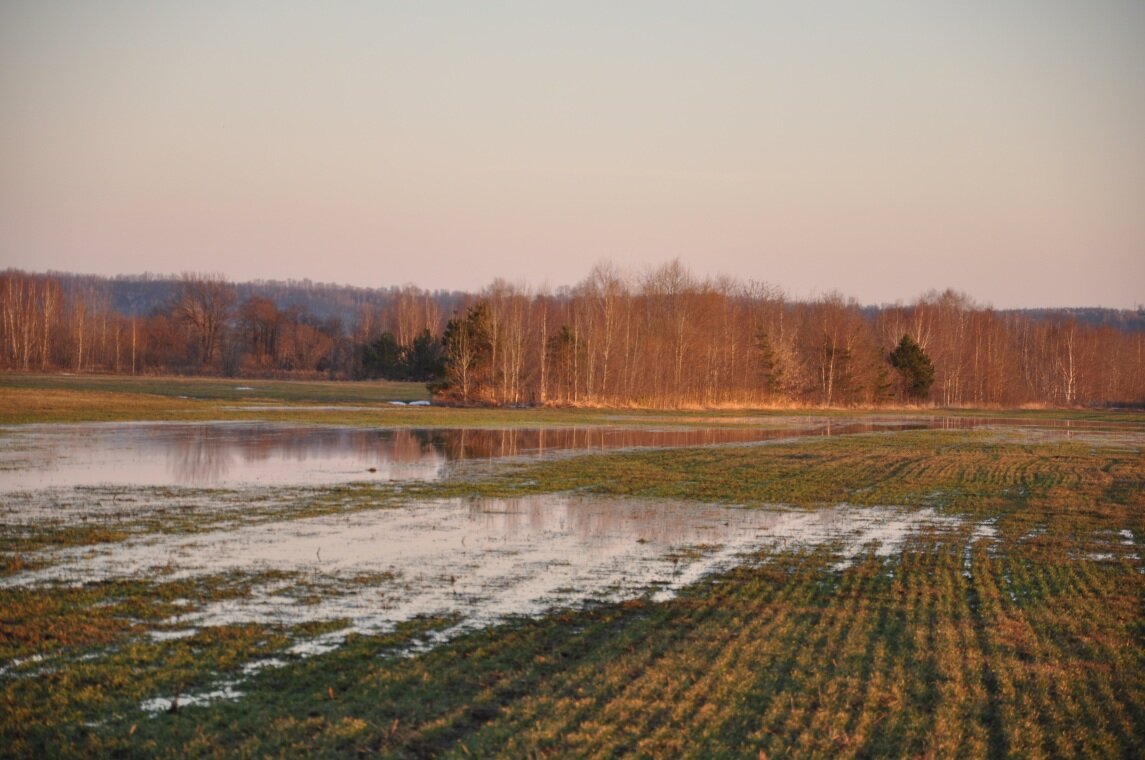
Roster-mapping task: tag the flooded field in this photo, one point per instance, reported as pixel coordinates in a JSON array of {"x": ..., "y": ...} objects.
[
  {"x": 242, "y": 454},
  {"x": 230, "y": 454},
  {"x": 397, "y": 585},
  {"x": 480, "y": 560}
]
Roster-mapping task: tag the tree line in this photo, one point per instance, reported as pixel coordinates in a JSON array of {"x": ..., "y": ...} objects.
[{"x": 665, "y": 338}]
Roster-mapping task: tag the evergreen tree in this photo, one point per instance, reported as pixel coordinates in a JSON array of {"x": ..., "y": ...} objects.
[
  {"x": 384, "y": 358},
  {"x": 468, "y": 348},
  {"x": 769, "y": 370},
  {"x": 914, "y": 366},
  {"x": 423, "y": 359}
]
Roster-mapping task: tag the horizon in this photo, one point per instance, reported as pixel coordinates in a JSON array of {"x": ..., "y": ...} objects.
[{"x": 879, "y": 152}]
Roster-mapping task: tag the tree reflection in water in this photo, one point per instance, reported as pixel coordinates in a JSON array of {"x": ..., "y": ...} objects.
[
  {"x": 237, "y": 454},
  {"x": 230, "y": 454}
]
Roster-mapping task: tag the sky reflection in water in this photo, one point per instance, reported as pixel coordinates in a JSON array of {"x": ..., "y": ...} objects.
[
  {"x": 480, "y": 559},
  {"x": 229, "y": 455},
  {"x": 242, "y": 454}
]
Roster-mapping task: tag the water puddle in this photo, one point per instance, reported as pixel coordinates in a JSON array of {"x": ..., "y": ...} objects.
[
  {"x": 1120, "y": 546},
  {"x": 224, "y": 690}
]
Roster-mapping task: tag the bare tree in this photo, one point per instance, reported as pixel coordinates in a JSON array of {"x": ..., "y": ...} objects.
[
  {"x": 204, "y": 305},
  {"x": 261, "y": 324}
]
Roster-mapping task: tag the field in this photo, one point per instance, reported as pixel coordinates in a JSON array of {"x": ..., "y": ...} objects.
[{"x": 1010, "y": 622}]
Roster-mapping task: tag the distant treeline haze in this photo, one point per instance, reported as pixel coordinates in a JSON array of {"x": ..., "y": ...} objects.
[{"x": 663, "y": 339}]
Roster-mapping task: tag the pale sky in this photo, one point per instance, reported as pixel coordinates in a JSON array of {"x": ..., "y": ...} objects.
[{"x": 880, "y": 149}]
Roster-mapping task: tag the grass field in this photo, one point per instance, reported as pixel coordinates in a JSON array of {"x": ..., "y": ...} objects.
[
  {"x": 1026, "y": 640},
  {"x": 39, "y": 398}
]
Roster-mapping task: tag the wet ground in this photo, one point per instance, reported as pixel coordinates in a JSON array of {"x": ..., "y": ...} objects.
[
  {"x": 479, "y": 560},
  {"x": 474, "y": 561}
]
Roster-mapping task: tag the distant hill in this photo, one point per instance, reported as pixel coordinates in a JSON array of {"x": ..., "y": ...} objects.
[
  {"x": 1126, "y": 320},
  {"x": 142, "y": 295}
]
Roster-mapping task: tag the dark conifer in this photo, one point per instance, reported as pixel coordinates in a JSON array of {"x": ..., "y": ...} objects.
[{"x": 914, "y": 366}]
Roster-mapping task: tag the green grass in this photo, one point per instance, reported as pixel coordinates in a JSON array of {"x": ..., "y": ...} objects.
[
  {"x": 225, "y": 389},
  {"x": 1029, "y": 656},
  {"x": 37, "y": 398},
  {"x": 28, "y": 398}
]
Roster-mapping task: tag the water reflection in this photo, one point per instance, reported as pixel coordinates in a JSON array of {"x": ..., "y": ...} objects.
[
  {"x": 238, "y": 454},
  {"x": 593, "y": 521},
  {"x": 198, "y": 459},
  {"x": 211, "y": 455},
  {"x": 229, "y": 454},
  {"x": 483, "y": 444},
  {"x": 216, "y": 455}
]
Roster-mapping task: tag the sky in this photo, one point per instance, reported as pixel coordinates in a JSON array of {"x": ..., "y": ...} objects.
[{"x": 877, "y": 149}]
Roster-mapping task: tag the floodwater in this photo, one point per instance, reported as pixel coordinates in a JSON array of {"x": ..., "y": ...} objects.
[
  {"x": 229, "y": 455},
  {"x": 476, "y": 562},
  {"x": 479, "y": 560},
  {"x": 209, "y": 455},
  {"x": 224, "y": 455}
]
